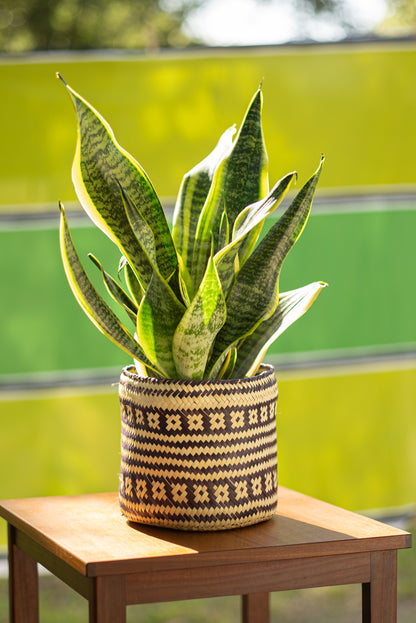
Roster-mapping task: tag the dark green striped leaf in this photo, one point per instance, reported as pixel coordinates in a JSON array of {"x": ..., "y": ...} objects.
[
  {"x": 158, "y": 316},
  {"x": 100, "y": 167},
  {"x": 116, "y": 291},
  {"x": 90, "y": 300},
  {"x": 142, "y": 230},
  {"x": 185, "y": 283},
  {"x": 254, "y": 296},
  {"x": 224, "y": 233},
  {"x": 228, "y": 366},
  {"x": 240, "y": 180},
  {"x": 132, "y": 282},
  {"x": 246, "y": 231},
  {"x": 292, "y": 305},
  {"x": 191, "y": 198}
]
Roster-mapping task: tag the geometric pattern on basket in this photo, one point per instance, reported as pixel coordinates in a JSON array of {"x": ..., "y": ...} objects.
[
  {"x": 217, "y": 493},
  {"x": 206, "y": 421},
  {"x": 198, "y": 455}
]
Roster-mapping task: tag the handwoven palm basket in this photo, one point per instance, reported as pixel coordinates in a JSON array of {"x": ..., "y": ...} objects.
[{"x": 198, "y": 455}]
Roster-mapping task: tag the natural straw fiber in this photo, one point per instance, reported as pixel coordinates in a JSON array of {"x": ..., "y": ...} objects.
[{"x": 198, "y": 455}]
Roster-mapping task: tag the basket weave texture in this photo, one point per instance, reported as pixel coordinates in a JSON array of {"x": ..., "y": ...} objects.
[{"x": 198, "y": 455}]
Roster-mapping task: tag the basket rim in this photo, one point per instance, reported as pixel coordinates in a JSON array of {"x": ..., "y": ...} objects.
[{"x": 130, "y": 372}]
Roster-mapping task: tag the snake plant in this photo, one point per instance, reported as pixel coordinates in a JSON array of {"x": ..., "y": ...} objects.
[{"x": 202, "y": 300}]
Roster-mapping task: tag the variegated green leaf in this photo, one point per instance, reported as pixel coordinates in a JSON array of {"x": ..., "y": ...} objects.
[
  {"x": 200, "y": 324},
  {"x": 240, "y": 180},
  {"x": 116, "y": 291},
  {"x": 217, "y": 364},
  {"x": 90, "y": 300},
  {"x": 224, "y": 233},
  {"x": 159, "y": 314},
  {"x": 254, "y": 296},
  {"x": 292, "y": 305},
  {"x": 243, "y": 221},
  {"x": 100, "y": 166},
  {"x": 142, "y": 230},
  {"x": 132, "y": 282},
  {"x": 191, "y": 198},
  {"x": 185, "y": 283},
  {"x": 228, "y": 366},
  {"x": 246, "y": 227}
]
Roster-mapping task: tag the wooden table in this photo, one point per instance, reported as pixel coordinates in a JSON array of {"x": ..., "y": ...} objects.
[{"x": 86, "y": 542}]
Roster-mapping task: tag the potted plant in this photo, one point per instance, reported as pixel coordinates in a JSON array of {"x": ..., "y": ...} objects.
[{"x": 198, "y": 439}]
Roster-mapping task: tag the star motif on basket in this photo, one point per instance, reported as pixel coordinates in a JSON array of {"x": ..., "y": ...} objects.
[
  {"x": 195, "y": 421},
  {"x": 201, "y": 494},
  {"x": 253, "y": 416},
  {"x": 237, "y": 419},
  {"x": 217, "y": 421},
  {"x": 128, "y": 486},
  {"x": 153, "y": 419},
  {"x": 174, "y": 422},
  {"x": 256, "y": 485},
  {"x": 139, "y": 417},
  {"x": 128, "y": 412},
  {"x": 269, "y": 481},
  {"x": 241, "y": 490},
  {"x": 264, "y": 413},
  {"x": 159, "y": 490},
  {"x": 221, "y": 493},
  {"x": 179, "y": 493},
  {"x": 141, "y": 489}
]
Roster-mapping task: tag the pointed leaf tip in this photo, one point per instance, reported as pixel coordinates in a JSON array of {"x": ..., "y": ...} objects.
[
  {"x": 60, "y": 77},
  {"x": 94, "y": 260}
]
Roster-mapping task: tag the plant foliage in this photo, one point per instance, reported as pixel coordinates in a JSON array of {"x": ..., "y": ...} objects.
[{"x": 203, "y": 300}]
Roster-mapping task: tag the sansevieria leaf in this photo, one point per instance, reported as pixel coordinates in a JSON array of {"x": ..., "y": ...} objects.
[
  {"x": 142, "y": 230},
  {"x": 240, "y": 180},
  {"x": 292, "y": 305},
  {"x": 158, "y": 316},
  {"x": 254, "y": 296},
  {"x": 191, "y": 198},
  {"x": 116, "y": 291},
  {"x": 245, "y": 225},
  {"x": 91, "y": 301},
  {"x": 133, "y": 284},
  {"x": 226, "y": 371},
  {"x": 224, "y": 231},
  {"x": 199, "y": 325},
  {"x": 245, "y": 220},
  {"x": 100, "y": 167}
]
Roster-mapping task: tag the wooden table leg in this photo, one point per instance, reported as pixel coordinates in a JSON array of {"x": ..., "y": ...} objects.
[
  {"x": 108, "y": 602},
  {"x": 380, "y": 594},
  {"x": 23, "y": 584},
  {"x": 256, "y": 608}
]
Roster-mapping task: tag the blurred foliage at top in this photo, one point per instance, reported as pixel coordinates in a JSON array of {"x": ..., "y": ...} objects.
[
  {"x": 27, "y": 25},
  {"x": 399, "y": 17},
  {"x": 35, "y": 25}
]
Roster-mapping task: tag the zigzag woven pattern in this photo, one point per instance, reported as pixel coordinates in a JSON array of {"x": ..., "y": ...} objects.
[{"x": 198, "y": 455}]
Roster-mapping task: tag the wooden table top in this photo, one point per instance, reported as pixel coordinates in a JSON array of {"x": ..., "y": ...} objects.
[{"x": 90, "y": 534}]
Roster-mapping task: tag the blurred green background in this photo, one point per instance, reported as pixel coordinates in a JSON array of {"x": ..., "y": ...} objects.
[{"x": 346, "y": 371}]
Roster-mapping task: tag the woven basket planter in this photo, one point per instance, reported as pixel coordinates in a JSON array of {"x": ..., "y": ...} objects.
[{"x": 198, "y": 455}]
